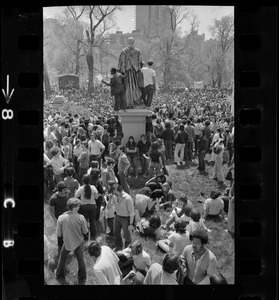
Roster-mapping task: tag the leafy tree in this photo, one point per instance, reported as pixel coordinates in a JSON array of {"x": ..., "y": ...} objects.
[
  {"x": 223, "y": 31},
  {"x": 100, "y": 21}
]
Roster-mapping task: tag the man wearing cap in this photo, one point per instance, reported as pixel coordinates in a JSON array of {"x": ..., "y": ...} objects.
[
  {"x": 72, "y": 226},
  {"x": 201, "y": 261},
  {"x": 149, "y": 77}
]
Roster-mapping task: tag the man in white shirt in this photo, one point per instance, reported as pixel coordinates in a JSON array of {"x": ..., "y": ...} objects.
[
  {"x": 96, "y": 149},
  {"x": 149, "y": 78},
  {"x": 106, "y": 266}
]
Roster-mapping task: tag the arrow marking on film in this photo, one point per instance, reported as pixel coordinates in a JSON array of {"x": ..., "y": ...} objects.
[{"x": 6, "y": 94}]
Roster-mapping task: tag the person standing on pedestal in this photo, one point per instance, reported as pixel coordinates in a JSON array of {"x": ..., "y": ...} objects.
[
  {"x": 149, "y": 76},
  {"x": 117, "y": 89},
  {"x": 129, "y": 64}
]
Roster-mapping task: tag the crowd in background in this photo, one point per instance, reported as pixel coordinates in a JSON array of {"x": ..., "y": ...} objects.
[{"x": 85, "y": 160}]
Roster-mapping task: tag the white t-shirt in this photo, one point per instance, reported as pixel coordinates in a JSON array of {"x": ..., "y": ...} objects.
[
  {"x": 180, "y": 241},
  {"x": 148, "y": 73},
  {"x": 95, "y": 147}
]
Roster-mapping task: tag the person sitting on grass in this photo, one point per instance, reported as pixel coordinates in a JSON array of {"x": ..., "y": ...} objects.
[
  {"x": 164, "y": 274},
  {"x": 157, "y": 181},
  {"x": 168, "y": 197},
  {"x": 214, "y": 208},
  {"x": 151, "y": 227},
  {"x": 142, "y": 203},
  {"x": 181, "y": 211},
  {"x": 141, "y": 258},
  {"x": 177, "y": 240},
  {"x": 196, "y": 222}
]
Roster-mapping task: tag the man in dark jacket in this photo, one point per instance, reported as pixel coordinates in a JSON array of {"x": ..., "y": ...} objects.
[
  {"x": 180, "y": 140},
  {"x": 117, "y": 89},
  {"x": 201, "y": 142}
]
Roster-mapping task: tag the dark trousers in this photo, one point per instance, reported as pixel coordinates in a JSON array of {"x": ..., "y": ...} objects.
[
  {"x": 134, "y": 163},
  {"x": 121, "y": 223},
  {"x": 201, "y": 155},
  {"x": 196, "y": 143},
  {"x": 110, "y": 223},
  {"x": 76, "y": 166},
  {"x": 143, "y": 95},
  {"x": 120, "y": 101},
  {"x": 98, "y": 207},
  {"x": 124, "y": 183},
  {"x": 60, "y": 272},
  {"x": 188, "y": 150},
  {"x": 149, "y": 90},
  {"x": 89, "y": 212},
  {"x": 168, "y": 145}
]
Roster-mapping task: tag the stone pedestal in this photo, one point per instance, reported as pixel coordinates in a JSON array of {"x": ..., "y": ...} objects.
[{"x": 133, "y": 123}]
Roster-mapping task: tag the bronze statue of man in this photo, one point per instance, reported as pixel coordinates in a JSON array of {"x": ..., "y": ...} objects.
[{"x": 129, "y": 64}]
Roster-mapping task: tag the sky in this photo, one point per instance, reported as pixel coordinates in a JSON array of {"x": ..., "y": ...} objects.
[{"x": 125, "y": 18}]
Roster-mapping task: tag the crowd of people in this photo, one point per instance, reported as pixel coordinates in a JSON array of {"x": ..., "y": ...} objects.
[{"x": 87, "y": 173}]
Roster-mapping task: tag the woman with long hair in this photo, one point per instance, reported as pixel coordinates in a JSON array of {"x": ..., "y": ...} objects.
[
  {"x": 131, "y": 151},
  {"x": 88, "y": 195}
]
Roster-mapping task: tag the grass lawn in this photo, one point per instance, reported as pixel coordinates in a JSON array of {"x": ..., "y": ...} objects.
[{"x": 188, "y": 181}]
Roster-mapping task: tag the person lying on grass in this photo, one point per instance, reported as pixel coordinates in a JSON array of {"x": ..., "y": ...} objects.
[{"x": 177, "y": 240}]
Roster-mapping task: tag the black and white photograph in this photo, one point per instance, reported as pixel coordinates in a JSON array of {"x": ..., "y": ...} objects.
[{"x": 138, "y": 140}]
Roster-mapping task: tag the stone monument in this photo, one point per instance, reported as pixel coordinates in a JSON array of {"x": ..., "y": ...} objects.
[{"x": 134, "y": 119}]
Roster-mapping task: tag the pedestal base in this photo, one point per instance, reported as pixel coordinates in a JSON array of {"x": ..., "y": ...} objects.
[{"x": 133, "y": 123}]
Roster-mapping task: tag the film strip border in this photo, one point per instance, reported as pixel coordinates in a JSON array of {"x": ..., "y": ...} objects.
[{"x": 22, "y": 145}]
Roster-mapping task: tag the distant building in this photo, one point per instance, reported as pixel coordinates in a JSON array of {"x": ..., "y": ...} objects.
[
  {"x": 150, "y": 19},
  {"x": 196, "y": 41},
  {"x": 119, "y": 39}
]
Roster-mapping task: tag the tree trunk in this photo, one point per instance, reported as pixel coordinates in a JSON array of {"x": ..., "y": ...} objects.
[
  {"x": 47, "y": 83},
  {"x": 90, "y": 64},
  {"x": 77, "y": 58}
]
